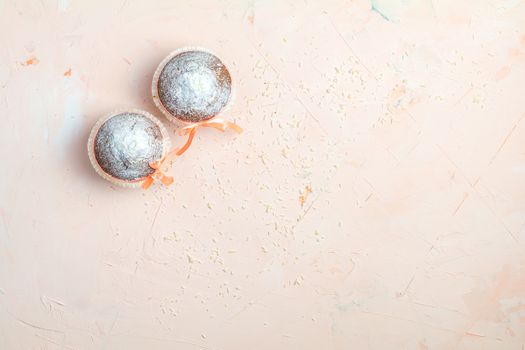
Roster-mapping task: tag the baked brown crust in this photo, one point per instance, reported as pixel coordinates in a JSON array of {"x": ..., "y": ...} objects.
[
  {"x": 194, "y": 86},
  {"x": 126, "y": 144}
]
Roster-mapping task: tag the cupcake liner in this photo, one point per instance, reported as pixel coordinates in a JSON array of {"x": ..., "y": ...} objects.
[
  {"x": 154, "y": 86},
  {"x": 166, "y": 145}
]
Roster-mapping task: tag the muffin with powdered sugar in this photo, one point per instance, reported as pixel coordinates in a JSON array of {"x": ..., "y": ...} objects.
[
  {"x": 125, "y": 146},
  {"x": 191, "y": 85}
]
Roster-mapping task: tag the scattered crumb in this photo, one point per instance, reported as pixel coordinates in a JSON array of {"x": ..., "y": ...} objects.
[
  {"x": 31, "y": 61},
  {"x": 298, "y": 281},
  {"x": 474, "y": 334},
  {"x": 304, "y": 195}
]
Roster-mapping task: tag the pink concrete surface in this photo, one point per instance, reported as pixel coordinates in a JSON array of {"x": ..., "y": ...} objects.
[{"x": 405, "y": 119}]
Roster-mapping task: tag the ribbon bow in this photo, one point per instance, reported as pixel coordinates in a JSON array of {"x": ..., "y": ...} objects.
[
  {"x": 216, "y": 123},
  {"x": 158, "y": 174}
]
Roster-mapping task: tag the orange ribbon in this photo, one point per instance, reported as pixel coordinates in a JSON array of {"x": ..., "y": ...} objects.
[
  {"x": 216, "y": 123},
  {"x": 158, "y": 174}
]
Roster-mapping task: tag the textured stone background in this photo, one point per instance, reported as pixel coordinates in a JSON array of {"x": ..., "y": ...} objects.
[{"x": 375, "y": 201}]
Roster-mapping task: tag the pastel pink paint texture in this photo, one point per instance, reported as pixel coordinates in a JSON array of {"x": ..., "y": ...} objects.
[{"x": 374, "y": 201}]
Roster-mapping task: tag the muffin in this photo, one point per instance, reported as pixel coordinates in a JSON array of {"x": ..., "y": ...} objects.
[
  {"x": 126, "y": 148},
  {"x": 191, "y": 85}
]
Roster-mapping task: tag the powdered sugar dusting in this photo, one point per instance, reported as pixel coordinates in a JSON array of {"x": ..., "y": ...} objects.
[
  {"x": 194, "y": 86},
  {"x": 126, "y": 144}
]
